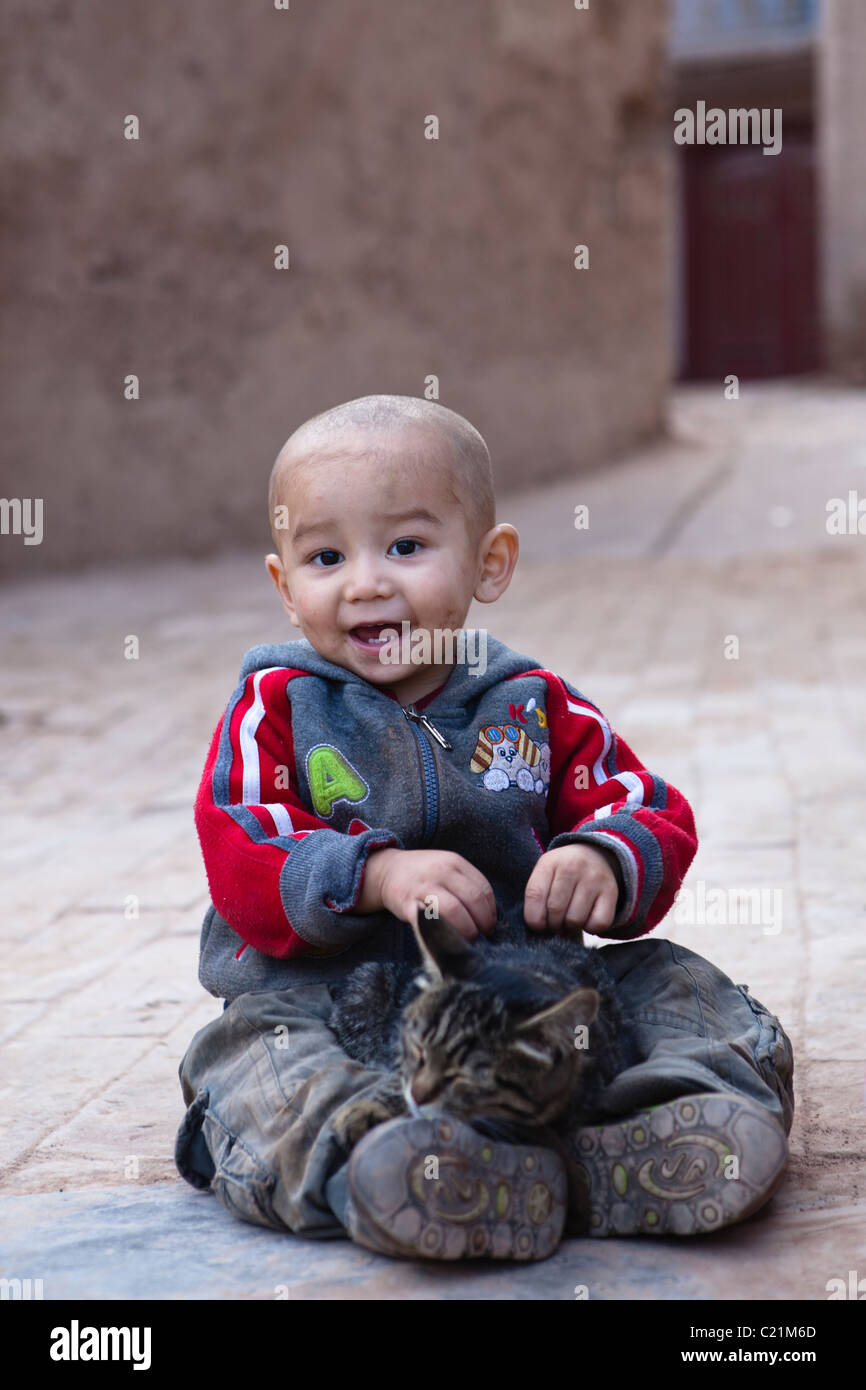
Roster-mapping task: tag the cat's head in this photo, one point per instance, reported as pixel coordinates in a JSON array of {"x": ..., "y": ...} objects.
[{"x": 488, "y": 1038}]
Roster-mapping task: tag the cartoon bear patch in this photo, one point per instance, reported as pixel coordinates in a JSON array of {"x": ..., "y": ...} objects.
[{"x": 505, "y": 755}]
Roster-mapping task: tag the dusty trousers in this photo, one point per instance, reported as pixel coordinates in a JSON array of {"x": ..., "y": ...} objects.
[{"x": 265, "y": 1079}]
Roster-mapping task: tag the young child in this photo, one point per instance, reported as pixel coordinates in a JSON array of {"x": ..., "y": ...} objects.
[{"x": 347, "y": 783}]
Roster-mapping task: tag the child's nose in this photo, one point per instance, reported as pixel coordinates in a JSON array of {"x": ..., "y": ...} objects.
[{"x": 365, "y": 579}]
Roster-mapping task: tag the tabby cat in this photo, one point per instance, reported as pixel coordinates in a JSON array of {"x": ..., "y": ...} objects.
[{"x": 523, "y": 1032}]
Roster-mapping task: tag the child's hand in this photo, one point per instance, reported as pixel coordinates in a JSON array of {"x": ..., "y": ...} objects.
[
  {"x": 401, "y": 879},
  {"x": 570, "y": 888}
]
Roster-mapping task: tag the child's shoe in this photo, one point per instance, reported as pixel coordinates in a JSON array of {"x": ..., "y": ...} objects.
[
  {"x": 436, "y": 1188},
  {"x": 684, "y": 1168}
]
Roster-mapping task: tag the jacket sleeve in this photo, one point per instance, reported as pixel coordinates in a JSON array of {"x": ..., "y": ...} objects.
[
  {"x": 280, "y": 876},
  {"x": 600, "y": 794}
]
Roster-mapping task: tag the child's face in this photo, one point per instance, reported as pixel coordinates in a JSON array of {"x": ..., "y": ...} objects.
[{"x": 375, "y": 538}]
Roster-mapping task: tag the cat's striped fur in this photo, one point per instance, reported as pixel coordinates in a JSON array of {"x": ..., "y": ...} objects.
[{"x": 524, "y": 1033}]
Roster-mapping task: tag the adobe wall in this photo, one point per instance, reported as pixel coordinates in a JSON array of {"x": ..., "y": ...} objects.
[
  {"x": 842, "y": 132},
  {"x": 409, "y": 256}
]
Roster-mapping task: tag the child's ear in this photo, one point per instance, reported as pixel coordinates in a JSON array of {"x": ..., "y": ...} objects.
[
  {"x": 497, "y": 554},
  {"x": 274, "y": 567},
  {"x": 444, "y": 951}
]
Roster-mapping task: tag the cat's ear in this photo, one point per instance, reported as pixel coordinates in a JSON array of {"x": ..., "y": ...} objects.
[
  {"x": 581, "y": 1006},
  {"x": 443, "y": 950}
]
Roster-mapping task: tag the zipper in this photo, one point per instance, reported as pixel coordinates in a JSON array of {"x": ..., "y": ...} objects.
[
  {"x": 420, "y": 723},
  {"x": 411, "y": 713}
]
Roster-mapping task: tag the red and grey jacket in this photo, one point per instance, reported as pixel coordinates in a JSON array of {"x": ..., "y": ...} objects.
[{"x": 312, "y": 767}]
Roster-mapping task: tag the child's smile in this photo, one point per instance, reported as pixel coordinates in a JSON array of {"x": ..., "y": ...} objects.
[
  {"x": 368, "y": 636},
  {"x": 376, "y": 539}
]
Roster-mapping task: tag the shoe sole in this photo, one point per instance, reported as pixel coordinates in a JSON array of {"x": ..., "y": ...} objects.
[
  {"x": 687, "y": 1167},
  {"x": 437, "y": 1189}
]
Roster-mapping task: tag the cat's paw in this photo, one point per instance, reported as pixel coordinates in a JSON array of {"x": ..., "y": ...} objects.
[{"x": 360, "y": 1116}]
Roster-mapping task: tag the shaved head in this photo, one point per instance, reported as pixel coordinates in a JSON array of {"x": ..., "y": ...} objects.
[{"x": 460, "y": 448}]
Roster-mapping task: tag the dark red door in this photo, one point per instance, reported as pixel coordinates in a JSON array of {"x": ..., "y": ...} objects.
[{"x": 751, "y": 263}]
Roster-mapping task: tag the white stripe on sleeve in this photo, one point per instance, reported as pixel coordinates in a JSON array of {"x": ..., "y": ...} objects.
[
  {"x": 280, "y": 813},
  {"x": 599, "y": 772},
  {"x": 252, "y": 790}
]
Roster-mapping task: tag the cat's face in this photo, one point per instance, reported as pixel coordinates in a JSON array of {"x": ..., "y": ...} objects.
[{"x": 469, "y": 1048}]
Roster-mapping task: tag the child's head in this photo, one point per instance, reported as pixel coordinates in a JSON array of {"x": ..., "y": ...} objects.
[{"x": 382, "y": 513}]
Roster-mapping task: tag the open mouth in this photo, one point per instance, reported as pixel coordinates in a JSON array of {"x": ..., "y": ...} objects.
[{"x": 369, "y": 635}]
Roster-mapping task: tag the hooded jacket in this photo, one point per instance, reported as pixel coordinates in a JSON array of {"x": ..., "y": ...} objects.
[{"x": 312, "y": 767}]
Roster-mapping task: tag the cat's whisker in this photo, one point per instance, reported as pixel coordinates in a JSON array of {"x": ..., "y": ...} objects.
[{"x": 411, "y": 1103}]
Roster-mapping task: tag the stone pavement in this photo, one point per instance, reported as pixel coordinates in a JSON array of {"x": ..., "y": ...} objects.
[{"x": 720, "y": 626}]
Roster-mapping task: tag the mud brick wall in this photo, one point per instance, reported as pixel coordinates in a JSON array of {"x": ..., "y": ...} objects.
[
  {"x": 408, "y": 257},
  {"x": 842, "y": 151}
]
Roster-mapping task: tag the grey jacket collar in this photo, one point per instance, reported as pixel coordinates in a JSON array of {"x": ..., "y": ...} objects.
[{"x": 466, "y": 682}]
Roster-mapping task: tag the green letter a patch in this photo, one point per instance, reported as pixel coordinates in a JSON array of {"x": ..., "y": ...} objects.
[{"x": 331, "y": 779}]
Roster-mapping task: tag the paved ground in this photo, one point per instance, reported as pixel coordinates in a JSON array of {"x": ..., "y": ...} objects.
[{"x": 718, "y": 534}]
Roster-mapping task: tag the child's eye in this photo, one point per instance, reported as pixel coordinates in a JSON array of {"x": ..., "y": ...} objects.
[
  {"x": 405, "y": 541},
  {"x": 327, "y": 557}
]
